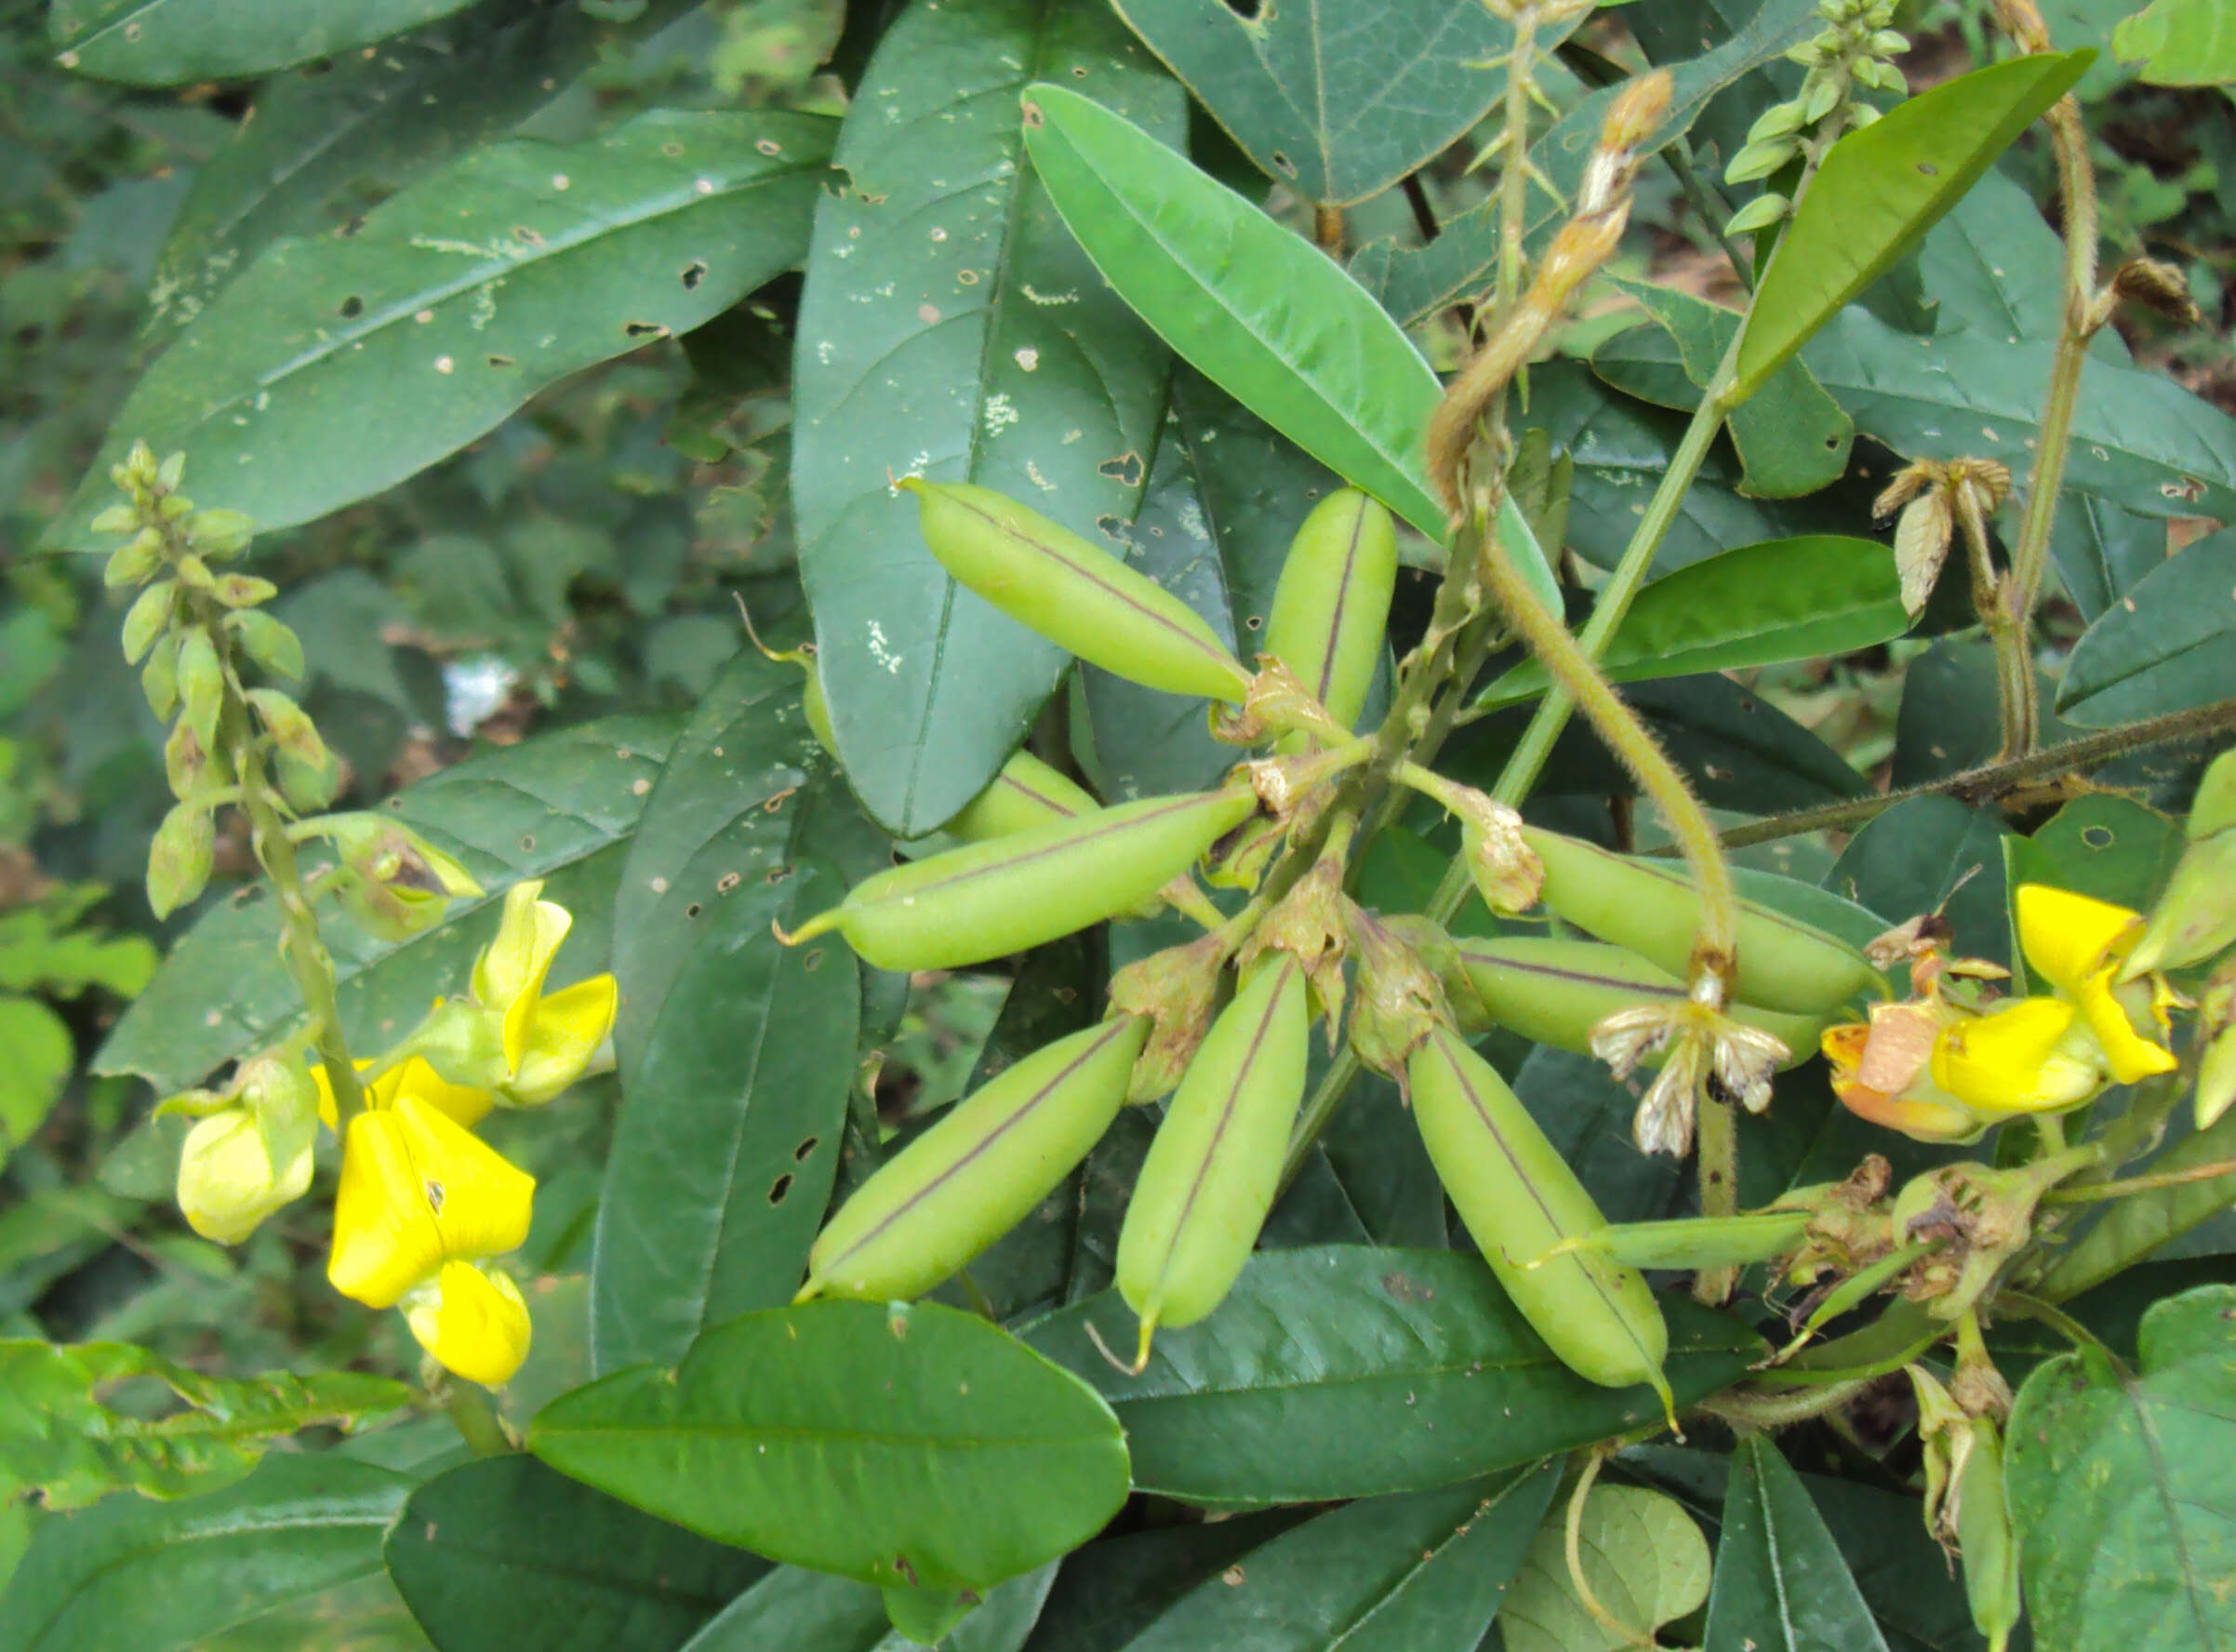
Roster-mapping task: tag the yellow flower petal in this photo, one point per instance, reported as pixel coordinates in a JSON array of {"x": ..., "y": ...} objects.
[
  {"x": 474, "y": 1323},
  {"x": 419, "y": 1189},
  {"x": 2128, "y": 1053},
  {"x": 563, "y": 1036},
  {"x": 226, "y": 1184},
  {"x": 416, "y": 1077},
  {"x": 2067, "y": 938},
  {"x": 1922, "y": 1117},
  {"x": 2013, "y": 1061},
  {"x": 507, "y": 977}
]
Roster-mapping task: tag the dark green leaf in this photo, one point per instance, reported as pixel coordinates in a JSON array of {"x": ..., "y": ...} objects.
[
  {"x": 59, "y": 1438},
  {"x": 1336, "y": 101},
  {"x": 2113, "y": 849},
  {"x": 1882, "y": 187},
  {"x": 1346, "y": 1371},
  {"x": 1396, "y": 1574},
  {"x": 2133, "y": 1227},
  {"x": 335, "y": 367},
  {"x": 551, "y": 807},
  {"x": 1413, "y": 283},
  {"x": 1994, "y": 267},
  {"x": 1933, "y": 854},
  {"x": 1117, "y": 1587},
  {"x": 1780, "y": 1582},
  {"x": 1642, "y": 1556},
  {"x": 2139, "y": 439},
  {"x": 951, "y": 328},
  {"x": 2167, "y": 645},
  {"x": 160, "y": 42},
  {"x": 2120, "y": 1492},
  {"x": 504, "y": 1552},
  {"x": 1758, "y": 604},
  {"x": 1792, "y": 437},
  {"x": 727, "y": 1141},
  {"x": 1259, "y": 312},
  {"x": 894, "y": 1445},
  {"x": 2103, "y": 551},
  {"x": 135, "y": 1576},
  {"x": 2189, "y": 43},
  {"x": 801, "y": 1611}
]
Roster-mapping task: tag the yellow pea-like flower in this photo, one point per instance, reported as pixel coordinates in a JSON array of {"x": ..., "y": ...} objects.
[
  {"x": 417, "y": 1190},
  {"x": 413, "y": 1076},
  {"x": 2018, "y": 1059},
  {"x": 2078, "y": 945},
  {"x": 549, "y": 1040},
  {"x": 474, "y": 1323}
]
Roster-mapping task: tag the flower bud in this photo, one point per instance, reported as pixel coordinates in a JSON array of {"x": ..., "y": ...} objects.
[
  {"x": 227, "y": 1183},
  {"x": 282, "y": 1102},
  {"x": 135, "y": 561},
  {"x": 159, "y": 677},
  {"x": 290, "y": 727},
  {"x": 220, "y": 533},
  {"x": 269, "y": 643},
  {"x": 147, "y": 617},
  {"x": 392, "y": 880},
  {"x": 244, "y": 591},
  {"x": 201, "y": 684},
  {"x": 179, "y": 858},
  {"x": 472, "y": 1322}
]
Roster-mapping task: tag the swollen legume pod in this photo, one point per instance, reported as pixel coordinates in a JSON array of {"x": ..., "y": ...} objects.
[
  {"x": 1047, "y": 577},
  {"x": 1652, "y": 907},
  {"x": 1332, "y": 603},
  {"x": 986, "y": 900},
  {"x": 1212, "y": 1170},
  {"x": 1554, "y": 990},
  {"x": 1519, "y": 1199},
  {"x": 1026, "y": 793},
  {"x": 977, "y": 1172}
]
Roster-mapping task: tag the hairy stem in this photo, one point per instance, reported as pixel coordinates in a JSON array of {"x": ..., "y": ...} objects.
[{"x": 1718, "y": 1125}]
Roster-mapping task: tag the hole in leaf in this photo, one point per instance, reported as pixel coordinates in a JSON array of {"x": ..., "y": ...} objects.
[
  {"x": 725, "y": 883},
  {"x": 1282, "y": 165},
  {"x": 694, "y": 273},
  {"x": 779, "y": 1188},
  {"x": 1926, "y": 168},
  {"x": 2097, "y": 837},
  {"x": 501, "y": 361},
  {"x": 527, "y": 842},
  {"x": 1248, "y": 10},
  {"x": 693, "y": 909},
  {"x": 352, "y": 307},
  {"x": 800, "y": 1153},
  {"x": 1253, "y": 622},
  {"x": 643, "y": 330}
]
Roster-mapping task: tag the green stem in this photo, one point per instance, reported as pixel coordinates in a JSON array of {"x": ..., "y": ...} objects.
[
  {"x": 2017, "y": 697},
  {"x": 2091, "y": 1193},
  {"x": 467, "y": 1405},
  {"x": 1718, "y": 1125}
]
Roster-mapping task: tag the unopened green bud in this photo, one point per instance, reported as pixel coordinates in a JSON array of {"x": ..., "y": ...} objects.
[
  {"x": 171, "y": 508},
  {"x": 283, "y": 1099},
  {"x": 201, "y": 685},
  {"x": 134, "y": 561},
  {"x": 2195, "y": 919},
  {"x": 116, "y": 519},
  {"x": 2214, "y": 807},
  {"x": 1825, "y": 97},
  {"x": 244, "y": 591},
  {"x": 271, "y": 644},
  {"x": 1887, "y": 43},
  {"x": 195, "y": 573},
  {"x": 1758, "y": 214},
  {"x": 159, "y": 677},
  {"x": 308, "y": 786},
  {"x": 290, "y": 727},
  {"x": 220, "y": 533},
  {"x": 139, "y": 467},
  {"x": 146, "y": 618},
  {"x": 179, "y": 859},
  {"x": 1884, "y": 77},
  {"x": 185, "y": 761},
  {"x": 1861, "y": 115},
  {"x": 2217, "y": 1034},
  {"x": 1780, "y": 120},
  {"x": 1760, "y": 160},
  {"x": 169, "y": 473}
]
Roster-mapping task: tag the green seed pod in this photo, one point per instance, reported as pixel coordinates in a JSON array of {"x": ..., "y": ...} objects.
[
  {"x": 1215, "y": 1166},
  {"x": 1555, "y": 991},
  {"x": 1049, "y": 579},
  {"x": 1984, "y": 1537},
  {"x": 1026, "y": 794},
  {"x": 986, "y": 900},
  {"x": 1652, "y": 907},
  {"x": 1519, "y": 1199},
  {"x": 1333, "y": 602},
  {"x": 812, "y": 702},
  {"x": 977, "y": 1172}
]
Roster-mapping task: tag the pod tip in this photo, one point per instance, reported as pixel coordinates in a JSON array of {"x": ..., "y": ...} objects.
[
  {"x": 823, "y": 923},
  {"x": 1149, "y": 1331},
  {"x": 910, "y": 485},
  {"x": 1669, "y": 1404}
]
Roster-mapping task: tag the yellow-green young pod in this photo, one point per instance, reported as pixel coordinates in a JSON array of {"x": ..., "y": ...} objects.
[
  {"x": 1652, "y": 907},
  {"x": 1215, "y": 1166},
  {"x": 1519, "y": 1199},
  {"x": 812, "y": 702},
  {"x": 977, "y": 1172},
  {"x": 1555, "y": 991},
  {"x": 1047, "y": 577},
  {"x": 1027, "y": 793},
  {"x": 1985, "y": 1538},
  {"x": 987, "y": 899},
  {"x": 1333, "y": 602}
]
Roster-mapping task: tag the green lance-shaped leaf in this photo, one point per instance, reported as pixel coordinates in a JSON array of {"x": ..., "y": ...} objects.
[
  {"x": 987, "y": 899},
  {"x": 1258, "y": 311},
  {"x": 1353, "y": 1370},
  {"x": 727, "y": 1141},
  {"x": 59, "y": 1438},
  {"x": 1781, "y": 1583},
  {"x": 889, "y": 1443},
  {"x": 560, "y": 807},
  {"x": 335, "y": 366},
  {"x": 1554, "y": 989},
  {"x": 159, "y": 42},
  {"x": 1652, "y": 907},
  {"x": 2119, "y": 1487},
  {"x": 978, "y": 1171},
  {"x": 1043, "y": 576},
  {"x": 1520, "y": 1199},
  {"x": 1882, "y": 187},
  {"x": 606, "y": 1575},
  {"x": 1758, "y": 604},
  {"x": 135, "y": 1576},
  {"x": 950, "y": 329},
  {"x": 1337, "y": 102},
  {"x": 2169, "y": 646},
  {"x": 2180, "y": 43}
]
